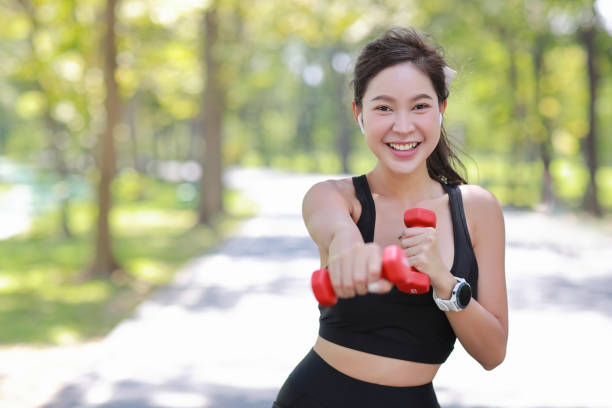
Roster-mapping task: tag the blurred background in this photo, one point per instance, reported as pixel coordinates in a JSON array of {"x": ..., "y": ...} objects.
[{"x": 118, "y": 119}]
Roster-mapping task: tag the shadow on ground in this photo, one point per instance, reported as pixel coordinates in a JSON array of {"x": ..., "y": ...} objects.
[
  {"x": 179, "y": 392},
  {"x": 273, "y": 248},
  {"x": 185, "y": 393},
  {"x": 218, "y": 297},
  {"x": 590, "y": 294}
]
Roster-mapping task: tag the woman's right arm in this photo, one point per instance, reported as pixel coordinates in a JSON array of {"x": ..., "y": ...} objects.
[{"x": 351, "y": 263}]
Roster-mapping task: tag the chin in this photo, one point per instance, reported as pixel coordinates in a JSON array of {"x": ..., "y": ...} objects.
[{"x": 402, "y": 169}]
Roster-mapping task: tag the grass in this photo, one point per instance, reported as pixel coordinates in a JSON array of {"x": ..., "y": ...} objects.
[{"x": 42, "y": 298}]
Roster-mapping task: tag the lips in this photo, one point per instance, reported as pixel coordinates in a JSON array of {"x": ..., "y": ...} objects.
[{"x": 404, "y": 149}]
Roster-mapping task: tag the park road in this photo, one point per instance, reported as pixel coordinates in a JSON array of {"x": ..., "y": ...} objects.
[{"x": 234, "y": 323}]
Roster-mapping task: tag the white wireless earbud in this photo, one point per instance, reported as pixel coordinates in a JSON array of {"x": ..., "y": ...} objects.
[
  {"x": 360, "y": 121},
  {"x": 440, "y": 118}
]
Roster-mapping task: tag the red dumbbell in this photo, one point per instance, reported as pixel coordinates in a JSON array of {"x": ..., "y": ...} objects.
[
  {"x": 417, "y": 282},
  {"x": 395, "y": 268}
]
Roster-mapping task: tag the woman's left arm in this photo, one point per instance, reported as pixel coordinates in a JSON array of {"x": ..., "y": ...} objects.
[{"x": 482, "y": 327}]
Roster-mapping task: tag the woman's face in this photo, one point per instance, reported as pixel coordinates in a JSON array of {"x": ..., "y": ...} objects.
[{"x": 401, "y": 117}]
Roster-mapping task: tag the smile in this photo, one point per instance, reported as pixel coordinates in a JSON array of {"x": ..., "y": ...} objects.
[{"x": 403, "y": 146}]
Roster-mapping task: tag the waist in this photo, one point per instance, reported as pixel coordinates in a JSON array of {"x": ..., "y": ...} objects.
[{"x": 374, "y": 368}]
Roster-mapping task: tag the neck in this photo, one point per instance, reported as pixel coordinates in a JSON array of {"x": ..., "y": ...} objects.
[{"x": 410, "y": 188}]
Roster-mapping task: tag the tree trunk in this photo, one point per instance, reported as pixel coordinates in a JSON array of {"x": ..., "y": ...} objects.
[
  {"x": 131, "y": 114},
  {"x": 306, "y": 119},
  {"x": 195, "y": 138},
  {"x": 211, "y": 186},
  {"x": 519, "y": 116},
  {"x": 345, "y": 130},
  {"x": 254, "y": 118},
  {"x": 59, "y": 163},
  {"x": 590, "y": 201},
  {"x": 104, "y": 262},
  {"x": 547, "y": 196}
]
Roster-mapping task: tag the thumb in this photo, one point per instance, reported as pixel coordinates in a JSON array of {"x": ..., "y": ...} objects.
[{"x": 380, "y": 286}]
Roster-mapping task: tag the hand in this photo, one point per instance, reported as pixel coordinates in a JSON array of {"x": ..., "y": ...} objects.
[
  {"x": 353, "y": 269},
  {"x": 420, "y": 245}
]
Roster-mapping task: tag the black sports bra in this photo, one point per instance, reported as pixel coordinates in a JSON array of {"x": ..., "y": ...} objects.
[{"x": 396, "y": 324}]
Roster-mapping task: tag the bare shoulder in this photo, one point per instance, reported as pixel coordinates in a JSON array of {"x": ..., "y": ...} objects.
[
  {"x": 334, "y": 192},
  {"x": 482, "y": 211},
  {"x": 345, "y": 188},
  {"x": 326, "y": 209},
  {"x": 476, "y": 196},
  {"x": 339, "y": 186}
]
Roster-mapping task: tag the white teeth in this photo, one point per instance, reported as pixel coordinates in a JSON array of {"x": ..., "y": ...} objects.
[{"x": 408, "y": 146}]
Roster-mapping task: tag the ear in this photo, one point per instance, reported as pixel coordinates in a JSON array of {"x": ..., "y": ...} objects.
[
  {"x": 442, "y": 106},
  {"x": 357, "y": 113}
]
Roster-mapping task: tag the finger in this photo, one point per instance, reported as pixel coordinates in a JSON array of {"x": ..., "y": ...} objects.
[
  {"x": 417, "y": 261},
  {"x": 411, "y": 242},
  {"x": 346, "y": 279},
  {"x": 386, "y": 286},
  {"x": 339, "y": 288},
  {"x": 360, "y": 272},
  {"x": 412, "y": 251},
  {"x": 374, "y": 263},
  {"x": 380, "y": 286},
  {"x": 414, "y": 231},
  {"x": 334, "y": 275},
  {"x": 430, "y": 238}
]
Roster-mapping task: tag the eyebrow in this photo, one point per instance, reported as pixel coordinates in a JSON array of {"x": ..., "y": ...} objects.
[{"x": 390, "y": 99}]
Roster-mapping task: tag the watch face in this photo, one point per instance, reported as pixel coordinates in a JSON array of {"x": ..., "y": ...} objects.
[{"x": 464, "y": 295}]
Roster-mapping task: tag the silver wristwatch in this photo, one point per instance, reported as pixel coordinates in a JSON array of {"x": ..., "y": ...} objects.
[{"x": 460, "y": 297}]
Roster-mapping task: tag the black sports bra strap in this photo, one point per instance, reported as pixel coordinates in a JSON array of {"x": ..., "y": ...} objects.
[
  {"x": 457, "y": 213},
  {"x": 367, "y": 219}
]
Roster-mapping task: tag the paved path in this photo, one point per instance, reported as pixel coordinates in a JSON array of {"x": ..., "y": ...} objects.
[{"x": 234, "y": 323}]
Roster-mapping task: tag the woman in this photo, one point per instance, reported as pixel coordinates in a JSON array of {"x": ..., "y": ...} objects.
[{"x": 383, "y": 349}]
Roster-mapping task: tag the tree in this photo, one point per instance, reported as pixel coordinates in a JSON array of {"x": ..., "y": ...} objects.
[
  {"x": 588, "y": 34},
  {"x": 213, "y": 105},
  {"x": 104, "y": 263}
]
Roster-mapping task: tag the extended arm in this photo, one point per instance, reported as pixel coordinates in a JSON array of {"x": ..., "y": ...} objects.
[{"x": 351, "y": 263}]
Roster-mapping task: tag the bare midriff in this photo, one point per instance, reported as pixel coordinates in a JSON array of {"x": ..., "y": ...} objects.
[{"x": 373, "y": 368}]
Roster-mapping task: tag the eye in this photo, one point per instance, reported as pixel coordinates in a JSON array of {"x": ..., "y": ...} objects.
[
  {"x": 383, "y": 108},
  {"x": 421, "y": 106}
]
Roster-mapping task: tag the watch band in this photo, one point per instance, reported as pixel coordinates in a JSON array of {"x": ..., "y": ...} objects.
[{"x": 452, "y": 304}]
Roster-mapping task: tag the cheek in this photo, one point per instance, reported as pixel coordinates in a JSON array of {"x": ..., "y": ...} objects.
[
  {"x": 431, "y": 128},
  {"x": 376, "y": 129},
  {"x": 380, "y": 123},
  {"x": 371, "y": 141}
]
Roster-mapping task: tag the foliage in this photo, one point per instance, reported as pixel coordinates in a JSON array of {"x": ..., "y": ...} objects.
[
  {"x": 287, "y": 70},
  {"x": 42, "y": 300}
]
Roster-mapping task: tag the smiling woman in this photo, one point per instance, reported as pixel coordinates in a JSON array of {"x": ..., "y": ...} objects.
[{"x": 379, "y": 345}]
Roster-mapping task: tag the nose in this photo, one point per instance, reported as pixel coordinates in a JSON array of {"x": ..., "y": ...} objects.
[{"x": 403, "y": 123}]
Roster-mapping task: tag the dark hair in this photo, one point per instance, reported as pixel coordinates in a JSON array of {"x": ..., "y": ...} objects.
[{"x": 398, "y": 45}]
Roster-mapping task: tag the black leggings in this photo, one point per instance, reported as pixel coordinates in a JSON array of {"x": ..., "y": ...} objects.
[{"x": 316, "y": 384}]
